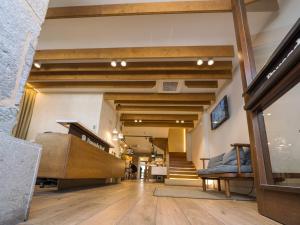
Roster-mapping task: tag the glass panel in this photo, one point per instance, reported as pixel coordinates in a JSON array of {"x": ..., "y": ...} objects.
[
  {"x": 269, "y": 28},
  {"x": 282, "y": 122}
]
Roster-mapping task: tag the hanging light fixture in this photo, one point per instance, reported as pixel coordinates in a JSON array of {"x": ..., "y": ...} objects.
[
  {"x": 115, "y": 137},
  {"x": 121, "y": 136},
  {"x": 115, "y": 131},
  {"x": 153, "y": 153}
]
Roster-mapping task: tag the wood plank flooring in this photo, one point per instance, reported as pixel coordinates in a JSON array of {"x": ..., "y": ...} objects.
[{"x": 133, "y": 203}]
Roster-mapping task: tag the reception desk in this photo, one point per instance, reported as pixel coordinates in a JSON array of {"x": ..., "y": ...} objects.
[{"x": 75, "y": 162}]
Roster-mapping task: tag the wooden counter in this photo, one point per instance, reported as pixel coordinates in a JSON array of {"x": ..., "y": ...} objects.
[{"x": 66, "y": 156}]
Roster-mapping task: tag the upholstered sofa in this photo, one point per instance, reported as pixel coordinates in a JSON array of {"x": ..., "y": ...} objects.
[{"x": 235, "y": 163}]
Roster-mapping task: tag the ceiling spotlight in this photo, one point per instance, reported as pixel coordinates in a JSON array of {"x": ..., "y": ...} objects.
[
  {"x": 177, "y": 121},
  {"x": 199, "y": 62},
  {"x": 123, "y": 63},
  {"x": 210, "y": 62},
  {"x": 182, "y": 121},
  {"x": 135, "y": 121},
  {"x": 140, "y": 121},
  {"x": 37, "y": 65},
  {"x": 113, "y": 63}
]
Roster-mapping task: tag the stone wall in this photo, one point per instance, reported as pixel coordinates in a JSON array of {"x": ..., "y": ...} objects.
[{"x": 20, "y": 25}]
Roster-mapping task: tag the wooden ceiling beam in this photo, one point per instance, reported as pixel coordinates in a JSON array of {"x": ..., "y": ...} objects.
[
  {"x": 158, "y": 124},
  {"x": 178, "y": 7},
  {"x": 95, "y": 84},
  {"x": 133, "y": 66},
  {"x": 160, "y": 108},
  {"x": 164, "y": 103},
  {"x": 161, "y": 97},
  {"x": 135, "y": 53},
  {"x": 201, "y": 84},
  {"x": 65, "y": 77},
  {"x": 158, "y": 117}
]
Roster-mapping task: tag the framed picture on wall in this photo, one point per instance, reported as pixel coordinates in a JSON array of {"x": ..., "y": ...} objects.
[{"x": 220, "y": 113}]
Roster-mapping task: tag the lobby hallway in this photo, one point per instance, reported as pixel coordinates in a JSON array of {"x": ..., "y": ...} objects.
[{"x": 133, "y": 203}]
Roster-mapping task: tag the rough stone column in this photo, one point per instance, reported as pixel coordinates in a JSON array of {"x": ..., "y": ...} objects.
[{"x": 20, "y": 25}]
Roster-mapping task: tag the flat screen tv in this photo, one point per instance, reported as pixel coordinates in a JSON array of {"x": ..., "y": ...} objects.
[{"x": 220, "y": 113}]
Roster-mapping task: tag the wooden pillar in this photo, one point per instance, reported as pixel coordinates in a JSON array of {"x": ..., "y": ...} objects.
[
  {"x": 248, "y": 72},
  {"x": 219, "y": 185},
  {"x": 204, "y": 184},
  {"x": 227, "y": 188}
]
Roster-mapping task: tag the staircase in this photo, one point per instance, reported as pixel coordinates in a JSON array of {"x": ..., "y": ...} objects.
[{"x": 181, "y": 171}]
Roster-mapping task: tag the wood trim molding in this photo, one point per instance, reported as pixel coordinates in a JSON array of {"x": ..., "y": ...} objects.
[
  {"x": 159, "y": 97},
  {"x": 158, "y": 117},
  {"x": 135, "y": 53},
  {"x": 162, "y": 102},
  {"x": 117, "y": 76},
  {"x": 159, "y": 108},
  {"x": 133, "y": 66},
  {"x": 201, "y": 84},
  {"x": 95, "y": 84},
  {"x": 178, "y": 7},
  {"x": 158, "y": 124}
]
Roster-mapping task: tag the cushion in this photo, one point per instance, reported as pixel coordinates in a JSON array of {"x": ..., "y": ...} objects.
[
  {"x": 225, "y": 169},
  {"x": 215, "y": 161},
  {"x": 247, "y": 156},
  {"x": 229, "y": 158}
]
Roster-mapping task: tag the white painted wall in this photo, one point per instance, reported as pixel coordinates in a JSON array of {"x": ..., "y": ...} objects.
[
  {"x": 209, "y": 143},
  {"x": 50, "y": 107},
  {"x": 88, "y": 108}
]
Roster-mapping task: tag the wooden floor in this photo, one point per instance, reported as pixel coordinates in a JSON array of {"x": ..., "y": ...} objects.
[{"x": 133, "y": 203}]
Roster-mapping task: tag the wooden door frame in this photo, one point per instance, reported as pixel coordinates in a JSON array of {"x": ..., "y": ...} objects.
[{"x": 278, "y": 203}]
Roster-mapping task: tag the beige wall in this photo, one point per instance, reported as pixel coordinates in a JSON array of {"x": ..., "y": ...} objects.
[
  {"x": 50, "y": 107},
  {"x": 177, "y": 140}
]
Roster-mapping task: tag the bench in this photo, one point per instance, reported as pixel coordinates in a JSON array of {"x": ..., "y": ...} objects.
[{"x": 233, "y": 165}]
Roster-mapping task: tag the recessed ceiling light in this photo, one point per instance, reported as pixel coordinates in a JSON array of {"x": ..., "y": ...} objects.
[
  {"x": 37, "y": 65},
  {"x": 123, "y": 63},
  {"x": 182, "y": 121},
  {"x": 177, "y": 121},
  {"x": 210, "y": 62},
  {"x": 135, "y": 121},
  {"x": 140, "y": 121},
  {"x": 113, "y": 63},
  {"x": 199, "y": 62}
]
